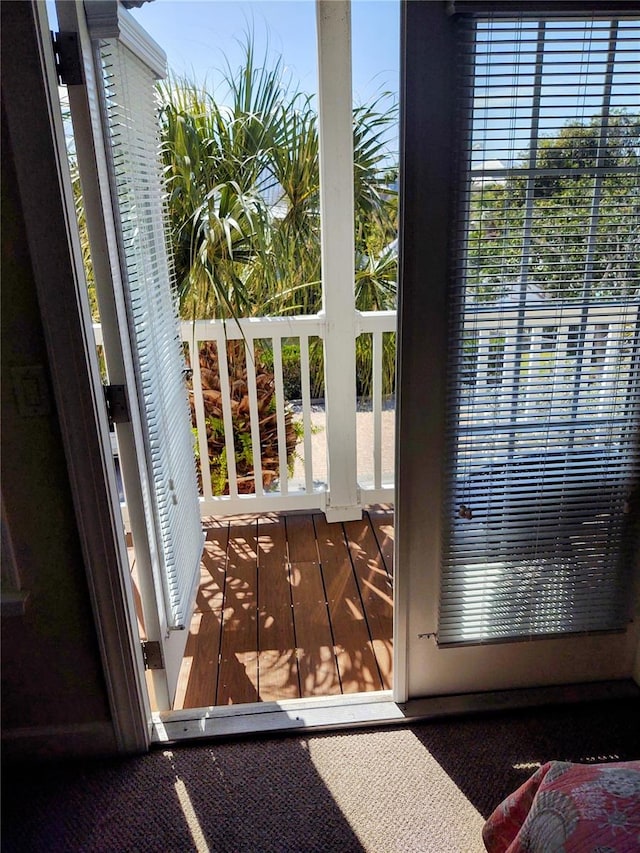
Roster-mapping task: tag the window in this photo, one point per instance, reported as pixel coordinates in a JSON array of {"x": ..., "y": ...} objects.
[{"x": 543, "y": 446}]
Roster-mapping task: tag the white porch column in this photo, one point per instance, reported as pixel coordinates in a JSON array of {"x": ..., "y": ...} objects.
[{"x": 336, "y": 216}]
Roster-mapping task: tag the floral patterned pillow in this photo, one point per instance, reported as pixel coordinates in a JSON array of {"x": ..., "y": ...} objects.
[{"x": 591, "y": 808}]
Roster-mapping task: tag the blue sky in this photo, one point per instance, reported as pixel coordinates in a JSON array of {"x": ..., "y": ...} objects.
[{"x": 198, "y": 34}]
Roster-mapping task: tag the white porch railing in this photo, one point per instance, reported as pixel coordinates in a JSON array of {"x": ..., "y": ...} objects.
[
  {"x": 302, "y": 482},
  {"x": 600, "y": 336},
  {"x": 538, "y": 355},
  {"x": 305, "y": 484}
]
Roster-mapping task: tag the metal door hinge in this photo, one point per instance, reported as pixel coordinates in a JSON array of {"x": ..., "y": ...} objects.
[
  {"x": 66, "y": 48},
  {"x": 152, "y": 654},
  {"x": 115, "y": 397}
]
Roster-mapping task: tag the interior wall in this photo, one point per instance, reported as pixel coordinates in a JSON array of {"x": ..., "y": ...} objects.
[{"x": 53, "y": 688}]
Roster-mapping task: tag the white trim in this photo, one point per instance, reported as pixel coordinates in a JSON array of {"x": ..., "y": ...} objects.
[
  {"x": 291, "y": 715},
  {"x": 383, "y": 495},
  {"x": 335, "y": 137},
  {"x": 108, "y": 19},
  {"x": 275, "y": 502},
  {"x": 251, "y": 328}
]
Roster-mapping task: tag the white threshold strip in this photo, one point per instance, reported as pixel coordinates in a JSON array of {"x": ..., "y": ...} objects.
[
  {"x": 289, "y": 715},
  {"x": 325, "y": 713}
]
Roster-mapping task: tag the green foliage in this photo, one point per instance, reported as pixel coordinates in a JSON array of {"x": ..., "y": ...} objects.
[
  {"x": 219, "y": 473},
  {"x": 216, "y": 426},
  {"x": 243, "y": 196},
  {"x": 562, "y": 227}
]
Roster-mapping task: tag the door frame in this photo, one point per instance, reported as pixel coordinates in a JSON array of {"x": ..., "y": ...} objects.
[
  {"x": 40, "y": 156},
  {"x": 47, "y": 196},
  {"x": 54, "y": 245}
]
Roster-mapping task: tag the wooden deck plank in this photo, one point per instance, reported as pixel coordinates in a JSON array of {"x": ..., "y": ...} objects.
[
  {"x": 317, "y": 664},
  {"x": 198, "y": 678},
  {"x": 197, "y": 683},
  {"x": 260, "y": 659},
  {"x": 277, "y": 661},
  {"x": 376, "y": 592},
  {"x": 352, "y": 641},
  {"x": 301, "y": 538},
  {"x": 238, "y": 674},
  {"x": 213, "y": 568},
  {"x": 382, "y": 523}
]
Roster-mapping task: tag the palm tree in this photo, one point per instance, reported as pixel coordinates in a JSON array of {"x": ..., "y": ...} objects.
[
  {"x": 242, "y": 179},
  {"x": 243, "y": 196}
]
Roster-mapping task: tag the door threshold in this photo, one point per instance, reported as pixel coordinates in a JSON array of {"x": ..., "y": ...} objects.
[
  {"x": 289, "y": 715},
  {"x": 328, "y": 713}
]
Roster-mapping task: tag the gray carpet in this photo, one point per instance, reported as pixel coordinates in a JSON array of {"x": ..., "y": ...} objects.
[{"x": 425, "y": 787}]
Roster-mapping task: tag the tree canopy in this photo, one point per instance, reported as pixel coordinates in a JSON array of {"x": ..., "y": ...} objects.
[{"x": 573, "y": 245}]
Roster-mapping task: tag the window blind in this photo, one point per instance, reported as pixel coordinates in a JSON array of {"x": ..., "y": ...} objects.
[
  {"x": 132, "y": 128},
  {"x": 544, "y": 331}
]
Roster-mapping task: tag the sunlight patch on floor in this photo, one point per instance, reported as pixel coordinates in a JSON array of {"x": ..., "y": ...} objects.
[
  {"x": 191, "y": 819},
  {"x": 396, "y": 761}
]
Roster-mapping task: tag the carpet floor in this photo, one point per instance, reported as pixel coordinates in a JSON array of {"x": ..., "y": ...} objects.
[{"x": 421, "y": 787}]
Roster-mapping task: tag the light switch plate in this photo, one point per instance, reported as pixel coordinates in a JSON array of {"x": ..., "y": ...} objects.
[{"x": 31, "y": 390}]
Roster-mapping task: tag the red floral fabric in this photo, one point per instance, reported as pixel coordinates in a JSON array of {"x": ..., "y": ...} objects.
[{"x": 577, "y": 808}]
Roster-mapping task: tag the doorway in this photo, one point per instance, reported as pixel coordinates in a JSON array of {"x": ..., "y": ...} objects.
[{"x": 329, "y": 632}]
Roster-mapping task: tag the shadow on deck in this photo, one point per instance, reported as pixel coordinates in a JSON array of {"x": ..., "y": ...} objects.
[{"x": 290, "y": 606}]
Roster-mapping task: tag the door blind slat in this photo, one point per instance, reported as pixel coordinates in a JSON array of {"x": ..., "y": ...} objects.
[
  {"x": 131, "y": 113},
  {"x": 544, "y": 389}
]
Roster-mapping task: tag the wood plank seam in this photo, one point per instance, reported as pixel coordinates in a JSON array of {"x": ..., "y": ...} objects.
[
  {"x": 222, "y": 610},
  {"x": 327, "y": 607},
  {"x": 374, "y": 529},
  {"x": 364, "y": 609},
  {"x": 293, "y": 615}
]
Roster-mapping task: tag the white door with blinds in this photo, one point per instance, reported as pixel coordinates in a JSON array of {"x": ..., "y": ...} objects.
[
  {"x": 115, "y": 117},
  {"x": 542, "y": 388}
]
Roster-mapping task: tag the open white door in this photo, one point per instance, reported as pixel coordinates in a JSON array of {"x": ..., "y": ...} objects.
[
  {"x": 114, "y": 116},
  {"x": 519, "y": 373}
]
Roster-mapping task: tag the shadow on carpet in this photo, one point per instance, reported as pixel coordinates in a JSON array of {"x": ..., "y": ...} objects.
[{"x": 347, "y": 791}]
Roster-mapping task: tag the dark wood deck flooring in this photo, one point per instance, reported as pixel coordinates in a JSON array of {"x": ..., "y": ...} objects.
[{"x": 290, "y": 606}]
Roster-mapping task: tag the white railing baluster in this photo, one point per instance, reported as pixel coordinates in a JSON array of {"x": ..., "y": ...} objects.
[
  {"x": 280, "y": 416},
  {"x": 256, "y": 445},
  {"x": 377, "y": 323},
  {"x": 482, "y": 364},
  {"x": 306, "y": 412},
  {"x": 227, "y": 416},
  {"x": 377, "y": 409},
  {"x": 508, "y": 378},
  {"x": 532, "y": 379},
  {"x": 560, "y": 367},
  {"x": 608, "y": 372},
  {"x": 201, "y": 421}
]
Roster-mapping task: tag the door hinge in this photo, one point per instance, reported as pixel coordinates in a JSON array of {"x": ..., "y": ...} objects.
[
  {"x": 152, "y": 654},
  {"x": 68, "y": 56},
  {"x": 115, "y": 396}
]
